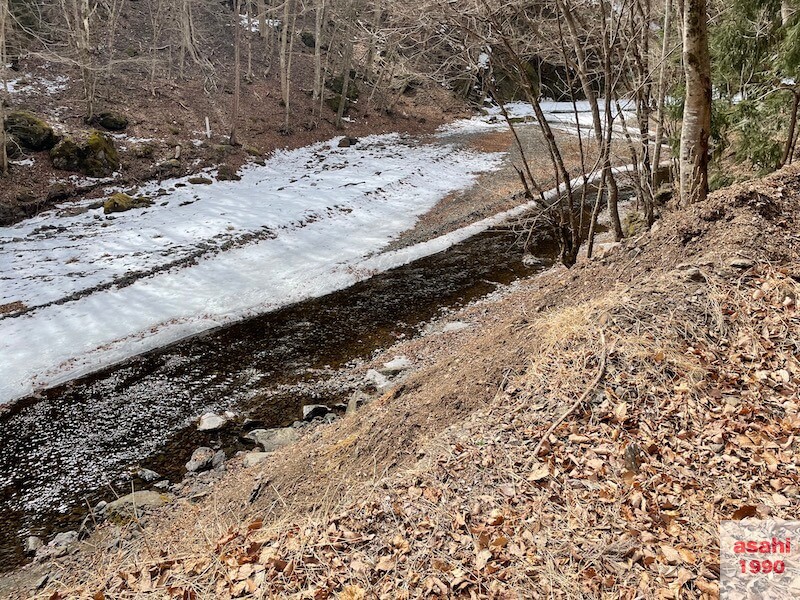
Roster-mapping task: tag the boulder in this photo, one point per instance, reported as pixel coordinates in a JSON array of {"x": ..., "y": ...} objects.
[
  {"x": 94, "y": 156},
  {"x": 30, "y": 131},
  {"x": 58, "y": 546},
  {"x": 201, "y": 459},
  {"x": 272, "y": 439},
  {"x": 376, "y": 379},
  {"x": 120, "y": 202},
  {"x": 227, "y": 173},
  {"x": 147, "y": 475},
  {"x": 131, "y": 506},
  {"x": 112, "y": 121},
  {"x": 218, "y": 459},
  {"x": 395, "y": 366},
  {"x": 310, "y": 411},
  {"x": 347, "y": 141},
  {"x": 357, "y": 400},
  {"x": 211, "y": 422},
  {"x": 64, "y": 539},
  {"x": 454, "y": 326},
  {"x": 200, "y": 180},
  {"x": 32, "y": 544},
  {"x": 252, "y": 459}
]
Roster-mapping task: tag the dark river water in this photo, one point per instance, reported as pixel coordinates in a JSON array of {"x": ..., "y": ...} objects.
[{"x": 79, "y": 441}]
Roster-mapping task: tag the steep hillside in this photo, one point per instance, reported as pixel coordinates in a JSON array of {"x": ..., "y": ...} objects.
[
  {"x": 580, "y": 436},
  {"x": 140, "y": 73}
]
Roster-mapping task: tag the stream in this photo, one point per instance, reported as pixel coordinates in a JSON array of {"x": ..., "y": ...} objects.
[{"x": 79, "y": 442}]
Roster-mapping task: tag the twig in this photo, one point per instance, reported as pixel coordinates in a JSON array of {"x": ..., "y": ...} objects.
[{"x": 601, "y": 371}]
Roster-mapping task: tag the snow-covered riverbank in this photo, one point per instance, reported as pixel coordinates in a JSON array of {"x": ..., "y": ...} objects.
[{"x": 295, "y": 228}]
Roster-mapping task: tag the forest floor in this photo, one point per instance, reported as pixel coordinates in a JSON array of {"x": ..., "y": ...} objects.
[{"x": 668, "y": 368}]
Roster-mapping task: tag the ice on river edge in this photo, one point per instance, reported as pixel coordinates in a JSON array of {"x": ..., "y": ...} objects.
[{"x": 307, "y": 223}]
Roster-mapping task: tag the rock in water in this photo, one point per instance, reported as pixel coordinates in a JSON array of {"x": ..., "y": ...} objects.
[
  {"x": 314, "y": 410},
  {"x": 131, "y": 506},
  {"x": 211, "y": 422},
  {"x": 148, "y": 475},
  {"x": 272, "y": 439},
  {"x": 201, "y": 459}
]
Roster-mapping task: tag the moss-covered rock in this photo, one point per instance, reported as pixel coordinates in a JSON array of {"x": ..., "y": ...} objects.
[
  {"x": 59, "y": 191},
  {"x": 95, "y": 156},
  {"x": 336, "y": 84},
  {"x": 112, "y": 121},
  {"x": 332, "y": 101},
  {"x": 120, "y": 202},
  {"x": 30, "y": 131},
  {"x": 227, "y": 173},
  {"x": 308, "y": 39},
  {"x": 633, "y": 224}
]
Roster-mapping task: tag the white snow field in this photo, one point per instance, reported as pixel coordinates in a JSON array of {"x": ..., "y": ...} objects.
[{"x": 98, "y": 289}]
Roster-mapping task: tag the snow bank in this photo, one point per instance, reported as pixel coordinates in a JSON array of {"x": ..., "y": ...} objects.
[
  {"x": 105, "y": 288},
  {"x": 563, "y": 115}
]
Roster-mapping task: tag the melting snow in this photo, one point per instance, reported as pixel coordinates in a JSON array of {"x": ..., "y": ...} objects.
[{"x": 104, "y": 288}]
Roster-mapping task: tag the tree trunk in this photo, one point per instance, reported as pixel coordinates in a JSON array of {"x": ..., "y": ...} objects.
[
  {"x": 237, "y": 84},
  {"x": 790, "y": 136},
  {"x": 347, "y": 63},
  {"x": 787, "y": 11},
  {"x": 4, "y": 81},
  {"x": 697, "y": 108},
  {"x": 662, "y": 92},
  {"x": 319, "y": 15}
]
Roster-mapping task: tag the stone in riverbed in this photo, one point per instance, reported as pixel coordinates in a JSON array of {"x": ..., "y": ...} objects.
[
  {"x": 211, "y": 422},
  {"x": 395, "y": 366},
  {"x": 147, "y": 475},
  {"x": 272, "y": 439},
  {"x": 201, "y": 459},
  {"x": 32, "y": 544},
  {"x": 376, "y": 379},
  {"x": 252, "y": 459},
  {"x": 131, "y": 506}
]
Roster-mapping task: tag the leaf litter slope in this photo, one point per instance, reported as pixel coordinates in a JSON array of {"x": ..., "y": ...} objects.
[
  {"x": 434, "y": 489},
  {"x": 98, "y": 289}
]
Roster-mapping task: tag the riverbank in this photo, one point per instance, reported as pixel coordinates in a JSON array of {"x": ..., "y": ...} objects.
[{"x": 681, "y": 344}]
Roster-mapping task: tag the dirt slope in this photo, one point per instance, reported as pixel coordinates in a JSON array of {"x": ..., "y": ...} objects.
[{"x": 683, "y": 345}]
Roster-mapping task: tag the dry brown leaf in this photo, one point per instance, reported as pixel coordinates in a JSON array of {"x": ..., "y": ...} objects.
[
  {"x": 352, "y": 592},
  {"x": 483, "y": 557},
  {"x": 385, "y": 563}
]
